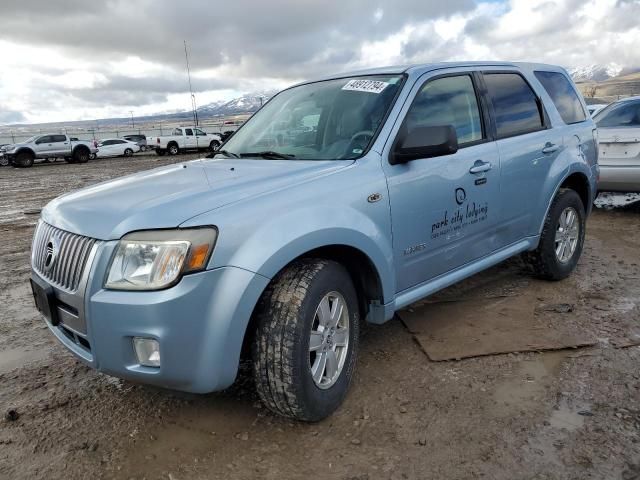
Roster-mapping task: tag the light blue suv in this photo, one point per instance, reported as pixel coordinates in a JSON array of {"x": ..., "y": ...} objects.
[{"x": 341, "y": 201}]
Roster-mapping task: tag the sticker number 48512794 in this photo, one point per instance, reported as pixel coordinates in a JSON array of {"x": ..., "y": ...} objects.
[{"x": 370, "y": 86}]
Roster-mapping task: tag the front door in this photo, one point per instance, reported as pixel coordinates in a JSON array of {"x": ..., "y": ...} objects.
[
  {"x": 43, "y": 145},
  {"x": 445, "y": 210}
]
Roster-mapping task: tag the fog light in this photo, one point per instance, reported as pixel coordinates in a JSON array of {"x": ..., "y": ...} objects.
[{"x": 147, "y": 351}]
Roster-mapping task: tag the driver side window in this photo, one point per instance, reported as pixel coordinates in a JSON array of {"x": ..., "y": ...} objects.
[{"x": 448, "y": 101}]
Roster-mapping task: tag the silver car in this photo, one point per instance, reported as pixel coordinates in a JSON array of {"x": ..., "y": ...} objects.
[{"x": 619, "y": 146}]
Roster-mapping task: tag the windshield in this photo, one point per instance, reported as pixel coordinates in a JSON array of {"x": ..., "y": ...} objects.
[{"x": 328, "y": 120}]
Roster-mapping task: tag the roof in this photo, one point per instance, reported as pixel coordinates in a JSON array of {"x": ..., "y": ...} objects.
[{"x": 426, "y": 67}]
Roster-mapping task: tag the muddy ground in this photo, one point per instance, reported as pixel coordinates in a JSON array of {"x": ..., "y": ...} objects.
[{"x": 567, "y": 414}]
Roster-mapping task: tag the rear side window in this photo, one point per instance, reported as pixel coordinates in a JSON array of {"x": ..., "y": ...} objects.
[
  {"x": 515, "y": 104},
  {"x": 59, "y": 138},
  {"x": 448, "y": 101},
  {"x": 563, "y": 95},
  {"x": 626, "y": 114}
]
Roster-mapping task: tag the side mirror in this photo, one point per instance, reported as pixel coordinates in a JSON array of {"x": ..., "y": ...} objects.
[{"x": 424, "y": 142}]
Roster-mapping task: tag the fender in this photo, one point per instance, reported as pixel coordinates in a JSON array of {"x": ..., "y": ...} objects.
[
  {"x": 22, "y": 150},
  {"x": 290, "y": 236},
  {"x": 556, "y": 178},
  {"x": 265, "y": 244}
]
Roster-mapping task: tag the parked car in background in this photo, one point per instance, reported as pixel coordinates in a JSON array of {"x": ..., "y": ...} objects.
[
  {"x": 141, "y": 140},
  {"x": 595, "y": 108},
  {"x": 187, "y": 138},
  {"x": 47, "y": 146},
  {"x": 116, "y": 147},
  {"x": 619, "y": 146},
  {"x": 417, "y": 178}
]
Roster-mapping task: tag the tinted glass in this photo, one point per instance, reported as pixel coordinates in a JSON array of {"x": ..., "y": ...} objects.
[
  {"x": 59, "y": 138},
  {"x": 188, "y": 131},
  {"x": 328, "y": 120},
  {"x": 45, "y": 139},
  {"x": 626, "y": 114},
  {"x": 514, "y": 104},
  {"x": 563, "y": 95},
  {"x": 178, "y": 132},
  {"x": 199, "y": 132},
  {"x": 118, "y": 142},
  {"x": 448, "y": 101},
  {"x": 107, "y": 142}
]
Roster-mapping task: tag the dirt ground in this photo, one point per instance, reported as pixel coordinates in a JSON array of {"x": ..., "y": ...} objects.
[{"x": 566, "y": 414}]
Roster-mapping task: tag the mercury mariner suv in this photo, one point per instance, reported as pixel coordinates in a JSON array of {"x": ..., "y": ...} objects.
[{"x": 339, "y": 202}]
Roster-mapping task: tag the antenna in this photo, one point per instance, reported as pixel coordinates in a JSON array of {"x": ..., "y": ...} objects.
[{"x": 193, "y": 97}]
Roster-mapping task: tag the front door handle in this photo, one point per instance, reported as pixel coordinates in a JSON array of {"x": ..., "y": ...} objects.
[
  {"x": 550, "y": 148},
  {"x": 480, "y": 167}
]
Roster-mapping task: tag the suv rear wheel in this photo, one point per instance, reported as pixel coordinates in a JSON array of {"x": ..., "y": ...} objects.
[
  {"x": 562, "y": 238},
  {"x": 306, "y": 343}
]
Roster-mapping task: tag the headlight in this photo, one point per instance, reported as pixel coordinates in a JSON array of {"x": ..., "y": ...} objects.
[{"x": 157, "y": 259}]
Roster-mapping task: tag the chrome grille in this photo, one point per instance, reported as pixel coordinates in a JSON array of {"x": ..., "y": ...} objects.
[{"x": 60, "y": 256}]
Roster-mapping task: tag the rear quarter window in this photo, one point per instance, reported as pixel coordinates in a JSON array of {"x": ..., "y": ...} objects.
[
  {"x": 563, "y": 95},
  {"x": 515, "y": 105}
]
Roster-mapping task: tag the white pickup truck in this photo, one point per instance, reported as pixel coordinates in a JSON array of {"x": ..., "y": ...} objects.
[
  {"x": 187, "y": 138},
  {"x": 48, "y": 146}
]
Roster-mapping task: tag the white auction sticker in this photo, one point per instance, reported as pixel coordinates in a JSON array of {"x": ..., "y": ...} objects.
[{"x": 371, "y": 86}]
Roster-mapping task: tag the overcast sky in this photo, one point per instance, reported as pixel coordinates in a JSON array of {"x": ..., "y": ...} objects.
[{"x": 78, "y": 60}]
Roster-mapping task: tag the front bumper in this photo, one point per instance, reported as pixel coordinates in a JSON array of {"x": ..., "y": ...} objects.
[{"x": 199, "y": 324}]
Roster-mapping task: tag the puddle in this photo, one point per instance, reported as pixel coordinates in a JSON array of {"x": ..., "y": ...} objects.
[
  {"x": 567, "y": 418},
  {"x": 530, "y": 380},
  {"x": 18, "y": 357}
]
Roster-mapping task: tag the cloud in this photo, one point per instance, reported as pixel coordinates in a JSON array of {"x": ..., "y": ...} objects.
[
  {"x": 10, "y": 116},
  {"x": 73, "y": 59}
]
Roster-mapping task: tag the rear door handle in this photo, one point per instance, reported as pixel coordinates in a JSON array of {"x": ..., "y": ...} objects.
[
  {"x": 480, "y": 167},
  {"x": 550, "y": 148}
]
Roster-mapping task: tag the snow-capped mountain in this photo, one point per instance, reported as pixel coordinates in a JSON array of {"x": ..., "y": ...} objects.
[
  {"x": 595, "y": 73},
  {"x": 246, "y": 104}
]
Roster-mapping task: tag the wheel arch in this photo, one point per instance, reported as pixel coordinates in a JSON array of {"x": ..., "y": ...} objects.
[
  {"x": 361, "y": 268},
  {"x": 25, "y": 150},
  {"x": 576, "y": 179}
]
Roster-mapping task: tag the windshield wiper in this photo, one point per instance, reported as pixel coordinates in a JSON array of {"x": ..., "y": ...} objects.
[
  {"x": 267, "y": 154},
  {"x": 226, "y": 153}
]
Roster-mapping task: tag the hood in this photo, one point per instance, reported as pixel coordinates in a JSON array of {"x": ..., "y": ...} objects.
[{"x": 168, "y": 196}]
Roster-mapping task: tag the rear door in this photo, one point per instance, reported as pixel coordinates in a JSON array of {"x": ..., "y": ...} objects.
[
  {"x": 527, "y": 146},
  {"x": 60, "y": 145},
  {"x": 444, "y": 210}
]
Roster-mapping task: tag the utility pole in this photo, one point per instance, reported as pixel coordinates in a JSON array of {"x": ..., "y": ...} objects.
[
  {"x": 133, "y": 125},
  {"x": 193, "y": 97}
]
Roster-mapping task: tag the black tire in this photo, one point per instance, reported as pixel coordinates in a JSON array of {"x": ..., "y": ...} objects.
[
  {"x": 81, "y": 155},
  {"x": 173, "y": 149},
  {"x": 23, "y": 160},
  {"x": 92, "y": 156},
  {"x": 128, "y": 152},
  {"x": 214, "y": 145},
  {"x": 543, "y": 260},
  {"x": 160, "y": 152},
  {"x": 285, "y": 316},
  {"x": 143, "y": 148}
]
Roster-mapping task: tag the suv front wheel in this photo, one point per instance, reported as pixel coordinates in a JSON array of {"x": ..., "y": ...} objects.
[
  {"x": 306, "y": 342},
  {"x": 562, "y": 238}
]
